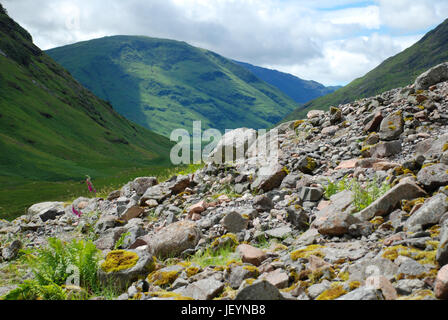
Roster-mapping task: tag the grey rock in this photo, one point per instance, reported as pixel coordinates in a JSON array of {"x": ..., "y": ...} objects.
[
  {"x": 385, "y": 149},
  {"x": 310, "y": 194},
  {"x": 205, "y": 289},
  {"x": 239, "y": 273},
  {"x": 262, "y": 203},
  {"x": 279, "y": 233},
  {"x": 390, "y": 200},
  {"x": 442, "y": 250},
  {"x": 174, "y": 239},
  {"x": 433, "y": 176},
  {"x": 316, "y": 289},
  {"x": 47, "y": 210},
  {"x": 269, "y": 177},
  {"x": 431, "y": 77},
  {"x": 363, "y": 293},
  {"x": 365, "y": 268},
  {"x": 407, "y": 286},
  {"x": 297, "y": 217},
  {"x": 259, "y": 290},
  {"x": 430, "y": 213},
  {"x": 234, "y": 222},
  {"x": 410, "y": 267},
  {"x": 141, "y": 184},
  {"x": 10, "y": 252},
  {"x": 233, "y": 146},
  {"x": 123, "y": 278},
  {"x": 391, "y": 127},
  {"x": 290, "y": 181}
]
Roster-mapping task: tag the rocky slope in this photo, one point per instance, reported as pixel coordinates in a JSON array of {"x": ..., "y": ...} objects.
[{"x": 286, "y": 239}]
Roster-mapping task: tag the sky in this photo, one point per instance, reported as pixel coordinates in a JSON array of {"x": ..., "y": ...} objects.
[{"x": 329, "y": 41}]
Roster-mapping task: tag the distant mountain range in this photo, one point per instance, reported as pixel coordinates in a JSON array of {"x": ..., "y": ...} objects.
[
  {"x": 166, "y": 84},
  {"x": 397, "y": 71},
  {"x": 299, "y": 90}
]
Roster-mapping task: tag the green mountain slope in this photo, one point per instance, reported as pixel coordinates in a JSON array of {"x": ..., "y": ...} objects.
[
  {"x": 53, "y": 129},
  {"x": 398, "y": 71},
  {"x": 299, "y": 90},
  {"x": 165, "y": 84}
]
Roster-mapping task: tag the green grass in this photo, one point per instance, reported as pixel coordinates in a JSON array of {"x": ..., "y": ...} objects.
[
  {"x": 165, "y": 84},
  {"x": 363, "y": 195},
  {"x": 397, "y": 71},
  {"x": 16, "y": 197}
]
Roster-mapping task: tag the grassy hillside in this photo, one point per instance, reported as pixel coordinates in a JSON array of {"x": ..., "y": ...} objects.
[
  {"x": 165, "y": 84},
  {"x": 398, "y": 71},
  {"x": 299, "y": 90},
  {"x": 52, "y": 129}
]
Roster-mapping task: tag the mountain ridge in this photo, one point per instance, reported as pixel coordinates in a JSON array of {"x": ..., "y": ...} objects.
[
  {"x": 166, "y": 84},
  {"x": 399, "y": 70}
]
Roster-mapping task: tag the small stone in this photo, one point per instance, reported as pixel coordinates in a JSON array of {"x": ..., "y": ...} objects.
[
  {"x": 251, "y": 254},
  {"x": 278, "y": 278},
  {"x": 205, "y": 289},
  {"x": 363, "y": 293},
  {"x": 385, "y": 149},
  {"x": 10, "y": 252},
  {"x": 391, "y": 127},
  {"x": 234, "y": 222},
  {"x": 433, "y": 176}
]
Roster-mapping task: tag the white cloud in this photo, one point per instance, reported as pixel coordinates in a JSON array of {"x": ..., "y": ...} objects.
[{"x": 327, "y": 40}]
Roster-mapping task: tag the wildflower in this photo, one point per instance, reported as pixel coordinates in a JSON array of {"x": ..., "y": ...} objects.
[
  {"x": 76, "y": 212},
  {"x": 90, "y": 185}
]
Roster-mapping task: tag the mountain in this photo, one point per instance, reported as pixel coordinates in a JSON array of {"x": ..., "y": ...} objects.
[
  {"x": 301, "y": 91},
  {"x": 397, "y": 71},
  {"x": 53, "y": 129},
  {"x": 166, "y": 84}
]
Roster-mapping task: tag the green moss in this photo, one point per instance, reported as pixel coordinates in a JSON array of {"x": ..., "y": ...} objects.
[
  {"x": 119, "y": 260},
  {"x": 354, "y": 285},
  {"x": 165, "y": 294},
  {"x": 252, "y": 269},
  {"x": 191, "y": 271},
  {"x": 298, "y": 123}
]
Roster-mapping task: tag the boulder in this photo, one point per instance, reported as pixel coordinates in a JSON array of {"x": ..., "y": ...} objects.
[
  {"x": 234, "y": 222},
  {"x": 12, "y": 250},
  {"x": 433, "y": 176},
  {"x": 269, "y": 177},
  {"x": 391, "y": 127},
  {"x": 390, "y": 200},
  {"x": 172, "y": 240},
  {"x": 205, "y": 289},
  {"x": 47, "y": 210},
  {"x": 233, "y": 146},
  {"x": 430, "y": 213},
  {"x": 122, "y": 267},
  {"x": 385, "y": 149},
  {"x": 431, "y": 77},
  {"x": 141, "y": 184},
  {"x": 251, "y": 254}
]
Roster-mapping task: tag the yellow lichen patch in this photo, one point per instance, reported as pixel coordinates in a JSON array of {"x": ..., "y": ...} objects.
[
  {"x": 249, "y": 281},
  {"x": 279, "y": 247},
  {"x": 435, "y": 231},
  {"x": 418, "y": 295},
  {"x": 311, "y": 164},
  {"x": 233, "y": 243},
  {"x": 312, "y": 250},
  {"x": 163, "y": 278},
  {"x": 334, "y": 292},
  {"x": 428, "y": 165},
  {"x": 252, "y": 269},
  {"x": 423, "y": 257},
  {"x": 227, "y": 293},
  {"x": 354, "y": 285},
  {"x": 377, "y": 221},
  {"x": 165, "y": 294},
  {"x": 289, "y": 289},
  {"x": 119, "y": 260},
  {"x": 184, "y": 264},
  {"x": 421, "y": 107},
  {"x": 298, "y": 123},
  {"x": 286, "y": 170},
  {"x": 408, "y": 205},
  {"x": 191, "y": 271}
]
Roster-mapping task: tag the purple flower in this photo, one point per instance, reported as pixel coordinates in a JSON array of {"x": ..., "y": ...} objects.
[
  {"x": 90, "y": 185},
  {"x": 76, "y": 212}
]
